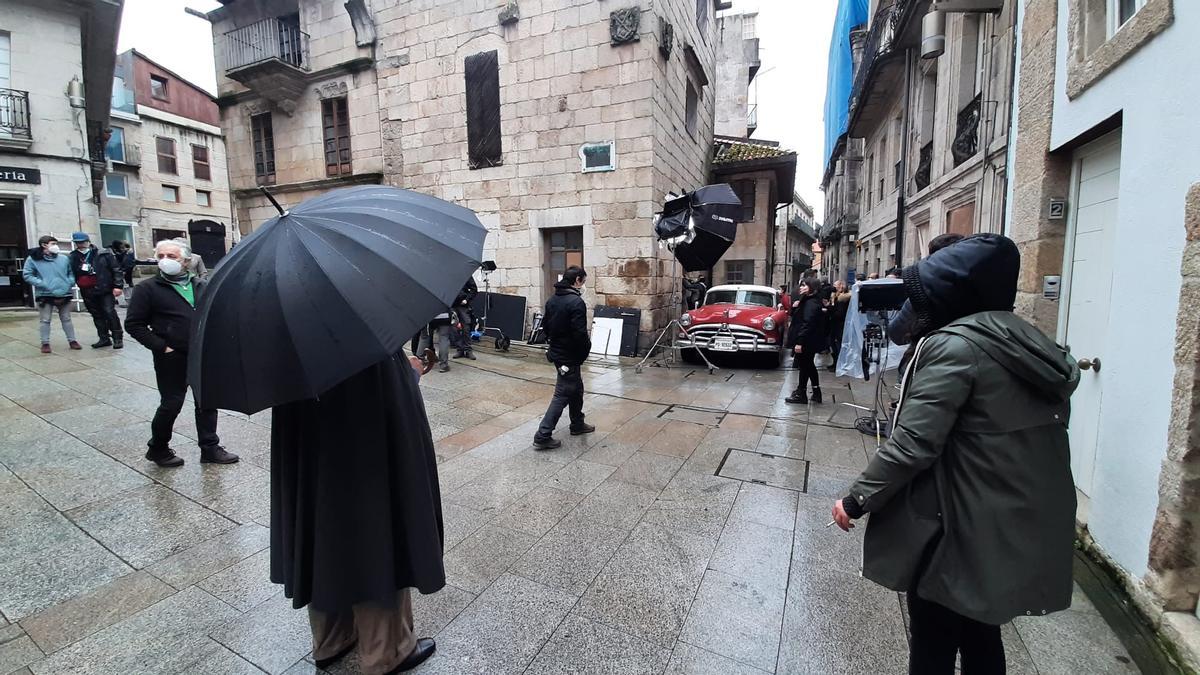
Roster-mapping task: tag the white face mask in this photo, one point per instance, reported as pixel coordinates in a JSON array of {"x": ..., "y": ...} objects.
[
  {"x": 52, "y": 249},
  {"x": 170, "y": 267}
]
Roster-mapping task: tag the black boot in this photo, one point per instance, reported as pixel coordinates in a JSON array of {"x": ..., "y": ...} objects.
[
  {"x": 118, "y": 343},
  {"x": 816, "y": 395},
  {"x": 798, "y": 397},
  {"x": 104, "y": 342}
]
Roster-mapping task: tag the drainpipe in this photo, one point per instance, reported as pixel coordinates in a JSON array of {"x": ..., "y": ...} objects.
[{"x": 905, "y": 141}]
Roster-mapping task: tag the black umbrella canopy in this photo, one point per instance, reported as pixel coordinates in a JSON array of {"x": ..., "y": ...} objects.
[
  {"x": 700, "y": 226},
  {"x": 325, "y": 290}
]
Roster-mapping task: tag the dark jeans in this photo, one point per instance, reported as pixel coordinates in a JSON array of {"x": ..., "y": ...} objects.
[
  {"x": 803, "y": 362},
  {"x": 939, "y": 634},
  {"x": 170, "y": 370},
  {"x": 464, "y": 335},
  {"x": 568, "y": 393},
  {"x": 103, "y": 308}
]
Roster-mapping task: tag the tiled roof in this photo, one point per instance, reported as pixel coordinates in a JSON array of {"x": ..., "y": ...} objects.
[{"x": 730, "y": 151}]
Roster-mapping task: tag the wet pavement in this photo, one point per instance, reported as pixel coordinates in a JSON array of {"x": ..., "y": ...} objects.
[{"x": 687, "y": 535}]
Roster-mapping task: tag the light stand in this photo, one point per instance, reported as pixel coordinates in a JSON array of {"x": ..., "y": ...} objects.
[
  {"x": 875, "y": 351},
  {"x": 671, "y": 332},
  {"x": 502, "y": 340}
]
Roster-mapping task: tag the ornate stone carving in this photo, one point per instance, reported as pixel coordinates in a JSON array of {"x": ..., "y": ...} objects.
[
  {"x": 666, "y": 37},
  {"x": 510, "y": 14},
  {"x": 331, "y": 89},
  {"x": 255, "y": 107},
  {"x": 623, "y": 25}
]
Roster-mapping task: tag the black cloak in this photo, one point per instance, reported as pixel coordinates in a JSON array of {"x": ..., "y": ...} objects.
[{"x": 356, "y": 512}]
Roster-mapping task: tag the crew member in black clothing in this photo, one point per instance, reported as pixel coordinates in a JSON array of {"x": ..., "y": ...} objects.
[
  {"x": 806, "y": 339},
  {"x": 160, "y": 317},
  {"x": 566, "y": 329},
  {"x": 100, "y": 279},
  {"x": 462, "y": 310}
]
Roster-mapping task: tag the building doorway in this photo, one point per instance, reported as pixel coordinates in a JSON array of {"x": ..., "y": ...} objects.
[
  {"x": 208, "y": 240},
  {"x": 14, "y": 247},
  {"x": 1095, "y": 181},
  {"x": 564, "y": 248}
]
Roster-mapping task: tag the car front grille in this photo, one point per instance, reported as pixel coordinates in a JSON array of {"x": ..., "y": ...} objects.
[{"x": 747, "y": 339}]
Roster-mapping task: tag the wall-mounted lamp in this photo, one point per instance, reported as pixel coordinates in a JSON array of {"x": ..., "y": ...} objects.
[
  {"x": 933, "y": 26},
  {"x": 75, "y": 93}
]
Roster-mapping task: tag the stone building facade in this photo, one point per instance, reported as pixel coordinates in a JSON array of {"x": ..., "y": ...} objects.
[
  {"x": 737, "y": 62},
  {"x": 589, "y": 113},
  {"x": 56, "y": 67},
  {"x": 795, "y": 234},
  {"x": 933, "y": 134},
  {"x": 1107, "y": 186},
  {"x": 169, "y": 176}
]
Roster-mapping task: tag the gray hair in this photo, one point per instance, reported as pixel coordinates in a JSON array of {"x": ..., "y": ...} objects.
[{"x": 185, "y": 249}]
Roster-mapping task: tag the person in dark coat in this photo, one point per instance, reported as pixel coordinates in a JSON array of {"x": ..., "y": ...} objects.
[
  {"x": 565, "y": 322},
  {"x": 160, "y": 317},
  {"x": 806, "y": 339},
  {"x": 971, "y": 498},
  {"x": 356, "y": 517},
  {"x": 462, "y": 312},
  {"x": 839, "y": 304},
  {"x": 100, "y": 280}
]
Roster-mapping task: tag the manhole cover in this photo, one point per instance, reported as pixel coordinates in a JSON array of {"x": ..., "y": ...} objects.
[
  {"x": 693, "y": 415},
  {"x": 756, "y": 467}
]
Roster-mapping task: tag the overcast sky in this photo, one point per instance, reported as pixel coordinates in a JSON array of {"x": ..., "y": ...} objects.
[{"x": 793, "y": 38}]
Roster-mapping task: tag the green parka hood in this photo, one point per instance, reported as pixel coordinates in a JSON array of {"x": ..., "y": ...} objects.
[{"x": 1022, "y": 350}]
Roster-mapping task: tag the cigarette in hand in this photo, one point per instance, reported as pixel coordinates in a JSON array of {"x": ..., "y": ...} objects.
[{"x": 831, "y": 523}]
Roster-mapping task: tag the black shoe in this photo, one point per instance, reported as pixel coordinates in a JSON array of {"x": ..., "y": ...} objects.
[
  {"x": 118, "y": 343},
  {"x": 546, "y": 443},
  {"x": 217, "y": 455},
  {"x": 424, "y": 649},
  {"x": 816, "y": 395},
  {"x": 105, "y": 342},
  {"x": 582, "y": 429},
  {"x": 471, "y": 355},
  {"x": 325, "y": 663},
  {"x": 797, "y": 397},
  {"x": 460, "y": 355},
  {"x": 445, "y": 368},
  {"x": 165, "y": 458}
]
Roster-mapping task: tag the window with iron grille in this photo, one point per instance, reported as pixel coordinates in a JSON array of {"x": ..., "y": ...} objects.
[
  {"x": 745, "y": 191},
  {"x": 264, "y": 148},
  {"x": 200, "y": 166},
  {"x": 483, "y": 110},
  {"x": 165, "y": 147},
  {"x": 335, "y": 124}
]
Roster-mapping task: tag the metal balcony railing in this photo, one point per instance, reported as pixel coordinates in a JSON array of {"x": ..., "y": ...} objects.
[
  {"x": 264, "y": 40},
  {"x": 14, "y": 114},
  {"x": 752, "y": 117},
  {"x": 881, "y": 43},
  {"x": 966, "y": 137}
]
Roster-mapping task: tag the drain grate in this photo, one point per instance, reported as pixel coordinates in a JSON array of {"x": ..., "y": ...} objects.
[{"x": 764, "y": 469}]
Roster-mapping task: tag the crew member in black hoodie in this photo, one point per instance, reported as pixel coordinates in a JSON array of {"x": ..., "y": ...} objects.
[
  {"x": 565, "y": 322},
  {"x": 160, "y": 317}
]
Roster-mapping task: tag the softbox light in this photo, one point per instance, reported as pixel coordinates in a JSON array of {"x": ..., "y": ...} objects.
[{"x": 699, "y": 226}]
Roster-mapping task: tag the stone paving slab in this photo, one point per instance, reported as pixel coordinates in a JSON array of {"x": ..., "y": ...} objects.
[{"x": 621, "y": 552}]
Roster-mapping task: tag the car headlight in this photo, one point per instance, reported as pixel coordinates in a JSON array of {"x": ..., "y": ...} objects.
[
  {"x": 685, "y": 320},
  {"x": 769, "y": 323}
]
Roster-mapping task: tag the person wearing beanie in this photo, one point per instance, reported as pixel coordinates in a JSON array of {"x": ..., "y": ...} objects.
[{"x": 971, "y": 499}]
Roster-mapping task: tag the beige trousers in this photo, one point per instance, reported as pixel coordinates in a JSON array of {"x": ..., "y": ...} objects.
[{"x": 384, "y": 634}]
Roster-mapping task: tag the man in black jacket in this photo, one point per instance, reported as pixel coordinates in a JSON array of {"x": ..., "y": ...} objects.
[
  {"x": 462, "y": 312},
  {"x": 566, "y": 328},
  {"x": 160, "y": 317},
  {"x": 100, "y": 279}
]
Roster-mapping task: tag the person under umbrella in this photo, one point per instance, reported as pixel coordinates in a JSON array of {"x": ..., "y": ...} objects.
[
  {"x": 336, "y": 286},
  {"x": 160, "y": 317}
]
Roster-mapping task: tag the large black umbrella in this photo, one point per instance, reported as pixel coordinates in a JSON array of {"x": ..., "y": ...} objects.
[
  {"x": 700, "y": 226},
  {"x": 325, "y": 290}
]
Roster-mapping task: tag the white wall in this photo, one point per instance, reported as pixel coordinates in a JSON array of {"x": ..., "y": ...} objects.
[{"x": 1160, "y": 158}]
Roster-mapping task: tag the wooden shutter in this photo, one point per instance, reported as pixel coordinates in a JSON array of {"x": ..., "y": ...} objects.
[
  {"x": 200, "y": 165},
  {"x": 165, "y": 148},
  {"x": 483, "y": 110},
  {"x": 264, "y": 148},
  {"x": 335, "y": 125}
]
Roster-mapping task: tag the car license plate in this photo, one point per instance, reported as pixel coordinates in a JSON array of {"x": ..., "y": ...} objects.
[{"x": 724, "y": 344}]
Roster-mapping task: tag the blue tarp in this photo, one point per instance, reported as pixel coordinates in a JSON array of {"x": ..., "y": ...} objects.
[{"x": 850, "y": 13}]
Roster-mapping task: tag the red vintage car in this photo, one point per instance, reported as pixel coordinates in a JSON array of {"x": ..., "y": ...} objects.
[{"x": 737, "y": 319}]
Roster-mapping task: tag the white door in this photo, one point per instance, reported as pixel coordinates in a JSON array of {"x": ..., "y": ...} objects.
[{"x": 1097, "y": 179}]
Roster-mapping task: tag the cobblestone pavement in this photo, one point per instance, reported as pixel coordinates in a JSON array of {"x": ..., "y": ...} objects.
[{"x": 622, "y": 552}]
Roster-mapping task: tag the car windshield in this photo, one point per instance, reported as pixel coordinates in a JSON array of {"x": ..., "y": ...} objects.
[{"x": 731, "y": 297}]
